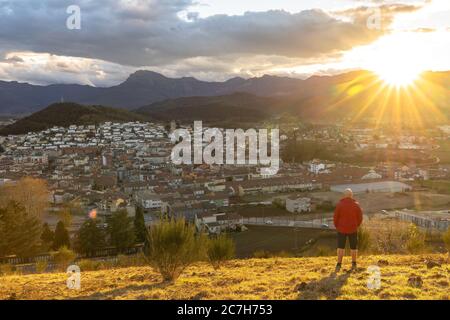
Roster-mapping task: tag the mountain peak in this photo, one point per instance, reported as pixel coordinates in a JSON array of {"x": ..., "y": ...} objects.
[{"x": 145, "y": 75}]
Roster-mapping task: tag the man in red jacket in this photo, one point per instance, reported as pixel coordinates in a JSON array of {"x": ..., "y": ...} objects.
[{"x": 347, "y": 219}]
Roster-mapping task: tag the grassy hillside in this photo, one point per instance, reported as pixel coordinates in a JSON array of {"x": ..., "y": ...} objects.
[
  {"x": 402, "y": 277},
  {"x": 66, "y": 114}
]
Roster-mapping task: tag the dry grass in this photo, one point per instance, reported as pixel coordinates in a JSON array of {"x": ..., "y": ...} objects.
[{"x": 275, "y": 278}]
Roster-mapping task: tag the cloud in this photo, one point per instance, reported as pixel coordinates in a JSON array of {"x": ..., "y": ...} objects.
[
  {"x": 166, "y": 36},
  {"x": 141, "y": 33},
  {"x": 44, "y": 68}
]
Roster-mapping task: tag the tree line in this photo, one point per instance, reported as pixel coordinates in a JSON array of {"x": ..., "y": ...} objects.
[{"x": 22, "y": 232}]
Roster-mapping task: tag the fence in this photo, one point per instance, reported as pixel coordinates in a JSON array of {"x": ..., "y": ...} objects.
[
  {"x": 48, "y": 257},
  {"x": 324, "y": 223}
]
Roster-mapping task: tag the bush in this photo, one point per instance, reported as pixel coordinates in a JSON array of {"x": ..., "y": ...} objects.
[
  {"x": 135, "y": 260},
  {"x": 219, "y": 250},
  {"x": 446, "y": 239},
  {"x": 415, "y": 240},
  {"x": 41, "y": 266},
  {"x": 89, "y": 265},
  {"x": 283, "y": 254},
  {"x": 6, "y": 269},
  {"x": 173, "y": 246},
  {"x": 363, "y": 239},
  {"x": 64, "y": 257},
  {"x": 387, "y": 235},
  {"x": 262, "y": 254},
  {"x": 324, "y": 251}
]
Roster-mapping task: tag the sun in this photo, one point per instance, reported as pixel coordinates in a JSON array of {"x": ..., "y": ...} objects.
[
  {"x": 397, "y": 76},
  {"x": 398, "y": 60},
  {"x": 398, "y": 68}
]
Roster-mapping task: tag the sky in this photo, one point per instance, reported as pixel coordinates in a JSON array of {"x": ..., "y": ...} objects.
[{"x": 215, "y": 40}]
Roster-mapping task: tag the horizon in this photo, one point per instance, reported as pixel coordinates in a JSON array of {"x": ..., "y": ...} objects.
[
  {"x": 213, "y": 41},
  {"x": 345, "y": 72}
]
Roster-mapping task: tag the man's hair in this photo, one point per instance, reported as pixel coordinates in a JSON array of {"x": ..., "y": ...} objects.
[{"x": 348, "y": 193}]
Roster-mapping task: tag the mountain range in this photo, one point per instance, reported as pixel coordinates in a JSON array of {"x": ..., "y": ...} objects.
[
  {"x": 140, "y": 89},
  {"x": 356, "y": 96}
]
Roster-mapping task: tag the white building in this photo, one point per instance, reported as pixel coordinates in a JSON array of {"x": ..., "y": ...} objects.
[
  {"x": 382, "y": 186},
  {"x": 148, "y": 200},
  {"x": 296, "y": 204},
  {"x": 372, "y": 175}
]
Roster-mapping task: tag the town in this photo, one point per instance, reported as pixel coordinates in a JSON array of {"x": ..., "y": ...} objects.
[{"x": 122, "y": 166}]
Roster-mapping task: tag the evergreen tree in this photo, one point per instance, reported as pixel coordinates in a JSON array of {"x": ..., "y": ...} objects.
[
  {"x": 19, "y": 231},
  {"x": 61, "y": 236},
  {"x": 90, "y": 237},
  {"x": 47, "y": 236},
  {"x": 139, "y": 225},
  {"x": 121, "y": 230}
]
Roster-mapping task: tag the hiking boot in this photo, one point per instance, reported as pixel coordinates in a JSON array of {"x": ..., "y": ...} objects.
[
  {"x": 354, "y": 266},
  {"x": 338, "y": 267}
]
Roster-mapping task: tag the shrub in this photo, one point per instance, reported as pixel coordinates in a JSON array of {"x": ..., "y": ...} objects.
[
  {"x": 131, "y": 261},
  {"x": 363, "y": 239},
  {"x": 262, "y": 254},
  {"x": 324, "y": 251},
  {"x": 89, "y": 265},
  {"x": 415, "y": 240},
  {"x": 41, "y": 266},
  {"x": 219, "y": 250},
  {"x": 64, "y": 257},
  {"x": 446, "y": 239},
  {"x": 387, "y": 235},
  {"x": 6, "y": 269},
  {"x": 283, "y": 254},
  {"x": 173, "y": 246}
]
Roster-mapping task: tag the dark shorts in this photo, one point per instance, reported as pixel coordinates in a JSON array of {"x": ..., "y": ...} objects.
[{"x": 352, "y": 238}]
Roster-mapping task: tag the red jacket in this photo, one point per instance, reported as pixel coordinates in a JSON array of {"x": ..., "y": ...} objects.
[{"x": 347, "y": 216}]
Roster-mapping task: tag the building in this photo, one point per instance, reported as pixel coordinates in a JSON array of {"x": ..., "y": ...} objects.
[
  {"x": 439, "y": 220},
  {"x": 148, "y": 200},
  {"x": 372, "y": 175},
  {"x": 215, "y": 223},
  {"x": 382, "y": 186},
  {"x": 296, "y": 204}
]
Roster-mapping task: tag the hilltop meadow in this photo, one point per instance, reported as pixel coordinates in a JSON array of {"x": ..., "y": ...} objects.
[{"x": 402, "y": 277}]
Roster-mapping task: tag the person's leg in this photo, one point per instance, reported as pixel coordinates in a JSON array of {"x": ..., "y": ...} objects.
[
  {"x": 354, "y": 255},
  {"x": 353, "y": 238},
  {"x": 340, "y": 255},
  {"x": 341, "y": 238}
]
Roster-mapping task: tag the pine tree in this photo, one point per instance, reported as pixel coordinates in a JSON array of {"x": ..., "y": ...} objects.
[
  {"x": 121, "y": 230},
  {"x": 61, "y": 236},
  {"x": 90, "y": 237},
  {"x": 47, "y": 236},
  {"x": 19, "y": 231},
  {"x": 139, "y": 225}
]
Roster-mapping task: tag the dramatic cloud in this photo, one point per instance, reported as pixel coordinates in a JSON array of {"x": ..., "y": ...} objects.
[
  {"x": 144, "y": 33},
  {"x": 166, "y": 36}
]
